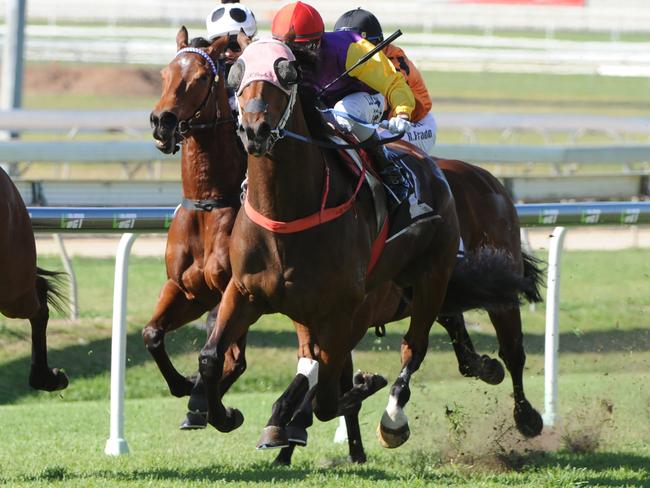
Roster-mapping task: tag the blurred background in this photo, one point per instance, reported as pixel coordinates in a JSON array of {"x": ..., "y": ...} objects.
[{"x": 531, "y": 89}]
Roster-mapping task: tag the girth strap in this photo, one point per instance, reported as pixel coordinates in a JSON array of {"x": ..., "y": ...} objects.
[{"x": 209, "y": 204}]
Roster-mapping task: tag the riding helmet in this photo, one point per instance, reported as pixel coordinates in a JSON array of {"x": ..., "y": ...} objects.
[
  {"x": 229, "y": 19},
  {"x": 297, "y": 22},
  {"x": 362, "y": 22}
]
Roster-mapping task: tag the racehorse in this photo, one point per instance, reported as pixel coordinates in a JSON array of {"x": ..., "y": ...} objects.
[
  {"x": 188, "y": 99},
  {"x": 273, "y": 270},
  {"x": 25, "y": 289},
  {"x": 193, "y": 110}
]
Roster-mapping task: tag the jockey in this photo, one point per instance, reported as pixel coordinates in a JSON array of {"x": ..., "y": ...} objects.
[
  {"x": 229, "y": 20},
  {"x": 364, "y": 23},
  {"x": 358, "y": 99}
]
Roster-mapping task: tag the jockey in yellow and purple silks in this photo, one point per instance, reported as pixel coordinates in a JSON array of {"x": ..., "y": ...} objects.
[{"x": 357, "y": 99}]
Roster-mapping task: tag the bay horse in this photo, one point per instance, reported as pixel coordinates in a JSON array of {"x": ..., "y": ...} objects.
[
  {"x": 27, "y": 291},
  {"x": 324, "y": 289},
  {"x": 190, "y": 97},
  {"x": 194, "y": 110}
]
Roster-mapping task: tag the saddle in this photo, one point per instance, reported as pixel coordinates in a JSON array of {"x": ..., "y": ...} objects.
[{"x": 419, "y": 205}]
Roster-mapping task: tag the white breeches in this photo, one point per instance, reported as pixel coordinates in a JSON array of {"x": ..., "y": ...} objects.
[
  {"x": 423, "y": 134},
  {"x": 359, "y": 108}
]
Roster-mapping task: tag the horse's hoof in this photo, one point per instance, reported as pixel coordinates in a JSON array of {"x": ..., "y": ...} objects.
[
  {"x": 358, "y": 458},
  {"x": 52, "y": 380},
  {"x": 492, "y": 371},
  {"x": 273, "y": 437},
  {"x": 233, "y": 419},
  {"x": 529, "y": 421},
  {"x": 194, "y": 421},
  {"x": 392, "y": 438},
  {"x": 297, "y": 435},
  {"x": 182, "y": 388}
]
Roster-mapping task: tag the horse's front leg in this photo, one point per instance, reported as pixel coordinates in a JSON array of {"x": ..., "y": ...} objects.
[
  {"x": 291, "y": 404},
  {"x": 173, "y": 310},
  {"x": 236, "y": 314},
  {"x": 335, "y": 348}
]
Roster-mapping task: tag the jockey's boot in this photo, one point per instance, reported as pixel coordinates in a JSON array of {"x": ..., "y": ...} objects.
[{"x": 390, "y": 172}]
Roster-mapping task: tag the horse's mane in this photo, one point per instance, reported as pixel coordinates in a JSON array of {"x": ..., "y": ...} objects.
[
  {"x": 199, "y": 42},
  {"x": 307, "y": 60}
]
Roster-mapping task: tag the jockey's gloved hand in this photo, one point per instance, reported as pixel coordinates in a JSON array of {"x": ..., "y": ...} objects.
[{"x": 399, "y": 124}]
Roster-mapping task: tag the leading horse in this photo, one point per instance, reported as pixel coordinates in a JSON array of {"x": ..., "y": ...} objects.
[
  {"x": 25, "y": 289},
  {"x": 285, "y": 261}
]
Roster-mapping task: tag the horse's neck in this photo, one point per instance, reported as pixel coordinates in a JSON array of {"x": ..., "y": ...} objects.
[
  {"x": 212, "y": 160},
  {"x": 288, "y": 183}
]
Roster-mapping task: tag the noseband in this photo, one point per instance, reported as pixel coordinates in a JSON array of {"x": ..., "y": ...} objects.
[
  {"x": 278, "y": 132},
  {"x": 185, "y": 126}
]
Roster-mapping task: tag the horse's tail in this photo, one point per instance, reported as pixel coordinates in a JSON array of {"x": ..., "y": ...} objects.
[
  {"x": 488, "y": 279},
  {"x": 54, "y": 282},
  {"x": 534, "y": 274}
]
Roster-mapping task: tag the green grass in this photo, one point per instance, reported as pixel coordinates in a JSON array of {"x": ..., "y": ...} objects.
[{"x": 58, "y": 439}]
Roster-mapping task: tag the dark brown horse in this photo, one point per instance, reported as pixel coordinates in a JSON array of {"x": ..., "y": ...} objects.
[
  {"x": 318, "y": 276},
  {"x": 25, "y": 289},
  {"x": 193, "y": 110}
]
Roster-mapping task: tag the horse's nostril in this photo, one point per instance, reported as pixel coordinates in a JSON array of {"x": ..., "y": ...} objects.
[
  {"x": 264, "y": 130},
  {"x": 154, "y": 120},
  {"x": 168, "y": 121}
]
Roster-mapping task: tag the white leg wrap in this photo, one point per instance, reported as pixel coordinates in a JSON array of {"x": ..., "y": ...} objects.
[
  {"x": 309, "y": 368},
  {"x": 394, "y": 416}
]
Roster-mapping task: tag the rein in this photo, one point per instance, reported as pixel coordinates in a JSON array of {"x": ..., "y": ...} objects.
[{"x": 332, "y": 145}]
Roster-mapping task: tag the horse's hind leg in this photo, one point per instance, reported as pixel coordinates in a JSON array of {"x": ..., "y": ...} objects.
[
  {"x": 470, "y": 364},
  {"x": 172, "y": 311},
  {"x": 511, "y": 349},
  {"x": 41, "y": 377}
]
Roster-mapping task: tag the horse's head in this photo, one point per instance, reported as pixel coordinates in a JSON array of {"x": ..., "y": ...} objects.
[
  {"x": 265, "y": 78},
  {"x": 188, "y": 83}
]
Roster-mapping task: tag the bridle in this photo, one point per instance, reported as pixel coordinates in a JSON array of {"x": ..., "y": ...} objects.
[
  {"x": 278, "y": 132},
  {"x": 185, "y": 126}
]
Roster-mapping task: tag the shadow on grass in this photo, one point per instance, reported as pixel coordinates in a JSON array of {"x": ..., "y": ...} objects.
[
  {"x": 595, "y": 469},
  {"x": 92, "y": 359},
  {"x": 260, "y": 472}
]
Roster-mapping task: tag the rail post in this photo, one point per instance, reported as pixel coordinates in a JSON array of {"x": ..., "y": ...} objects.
[
  {"x": 116, "y": 443},
  {"x": 552, "y": 338}
]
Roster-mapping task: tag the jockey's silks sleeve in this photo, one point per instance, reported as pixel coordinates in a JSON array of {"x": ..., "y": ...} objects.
[
  {"x": 380, "y": 75},
  {"x": 414, "y": 80}
]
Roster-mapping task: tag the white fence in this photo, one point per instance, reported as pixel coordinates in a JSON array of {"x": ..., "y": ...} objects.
[
  {"x": 152, "y": 220},
  {"x": 631, "y": 180}
]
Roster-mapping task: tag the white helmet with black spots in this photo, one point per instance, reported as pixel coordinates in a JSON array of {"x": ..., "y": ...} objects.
[{"x": 230, "y": 19}]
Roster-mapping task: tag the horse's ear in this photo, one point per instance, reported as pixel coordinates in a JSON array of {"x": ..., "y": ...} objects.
[
  {"x": 236, "y": 75},
  {"x": 287, "y": 72},
  {"x": 218, "y": 45},
  {"x": 243, "y": 40},
  {"x": 182, "y": 38}
]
